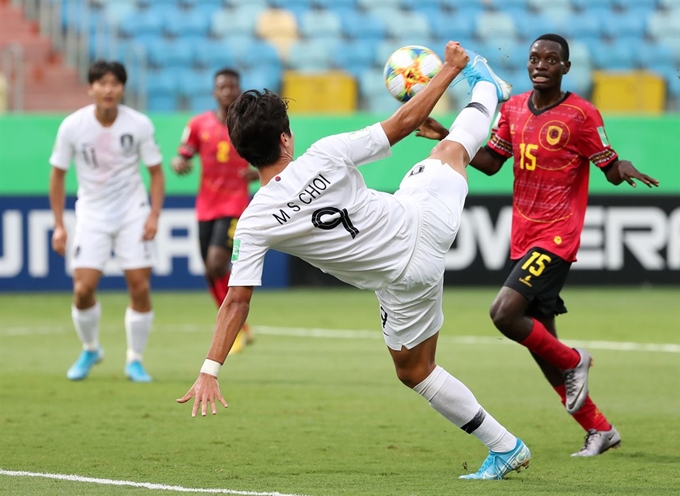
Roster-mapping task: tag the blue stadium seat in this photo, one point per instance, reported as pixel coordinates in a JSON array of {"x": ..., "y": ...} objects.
[
  {"x": 240, "y": 20},
  {"x": 374, "y": 94},
  {"x": 532, "y": 25},
  {"x": 164, "y": 3},
  {"x": 320, "y": 23},
  {"x": 581, "y": 26},
  {"x": 662, "y": 24},
  {"x": 354, "y": 57},
  {"x": 170, "y": 54},
  {"x": 137, "y": 23},
  {"x": 213, "y": 4},
  {"x": 628, "y": 4},
  {"x": 613, "y": 56},
  {"x": 417, "y": 25},
  {"x": 161, "y": 90},
  {"x": 191, "y": 82},
  {"x": 457, "y": 4},
  {"x": 256, "y": 53},
  {"x": 491, "y": 25},
  {"x": 387, "y": 47},
  {"x": 336, "y": 4},
  {"x": 670, "y": 4},
  {"x": 183, "y": 23},
  {"x": 214, "y": 54},
  {"x": 579, "y": 54},
  {"x": 582, "y": 4},
  {"x": 654, "y": 55},
  {"x": 201, "y": 102},
  {"x": 452, "y": 26},
  {"x": 261, "y": 78},
  {"x": 372, "y": 4},
  {"x": 672, "y": 42},
  {"x": 579, "y": 80},
  {"x": 116, "y": 11},
  {"x": 308, "y": 56},
  {"x": 363, "y": 26},
  {"x": 501, "y": 54},
  {"x": 421, "y": 4},
  {"x": 542, "y": 4},
  {"x": 625, "y": 24},
  {"x": 557, "y": 13}
]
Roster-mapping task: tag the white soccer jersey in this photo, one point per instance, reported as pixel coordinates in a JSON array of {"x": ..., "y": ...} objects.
[
  {"x": 320, "y": 210},
  {"x": 107, "y": 161}
]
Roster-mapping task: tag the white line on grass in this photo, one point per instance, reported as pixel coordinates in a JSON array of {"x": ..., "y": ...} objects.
[
  {"x": 304, "y": 332},
  {"x": 146, "y": 485}
]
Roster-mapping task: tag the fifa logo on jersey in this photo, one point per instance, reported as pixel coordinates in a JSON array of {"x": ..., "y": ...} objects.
[{"x": 127, "y": 143}]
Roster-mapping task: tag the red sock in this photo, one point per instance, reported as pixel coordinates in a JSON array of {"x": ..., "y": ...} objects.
[
  {"x": 219, "y": 288},
  {"x": 589, "y": 416},
  {"x": 548, "y": 347}
]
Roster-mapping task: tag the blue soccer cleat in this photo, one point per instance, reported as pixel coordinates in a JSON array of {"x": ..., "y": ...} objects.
[
  {"x": 477, "y": 69},
  {"x": 136, "y": 373},
  {"x": 497, "y": 465},
  {"x": 84, "y": 364}
]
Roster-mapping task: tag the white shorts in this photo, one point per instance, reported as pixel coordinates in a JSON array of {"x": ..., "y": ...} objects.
[
  {"x": 411, "y": 307},
  {"x": 94, "y": 242}
]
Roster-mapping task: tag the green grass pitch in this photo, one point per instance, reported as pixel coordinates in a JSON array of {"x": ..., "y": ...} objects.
[{"x": 326, "y": 415}]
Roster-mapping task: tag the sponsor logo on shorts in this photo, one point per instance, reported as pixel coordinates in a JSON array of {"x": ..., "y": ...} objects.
[{"x": 525, "y": 280}]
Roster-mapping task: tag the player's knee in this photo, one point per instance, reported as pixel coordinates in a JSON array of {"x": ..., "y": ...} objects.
[
  {"x": 216, "y": 269},
  {"x": 502, "y": 315},
  {"x": 83, "y": 292},
  {"x": 139, "y": 288},
  {"x": 412, "y": 376}
]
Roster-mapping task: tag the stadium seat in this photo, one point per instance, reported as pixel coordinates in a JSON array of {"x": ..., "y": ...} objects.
[
  {"x": 374, "y": 94},
  {"x": 114, "y": 12},
  {"x": 557, "y": 13},
  {"x": 191, "y": 82},
  {"x": 170, "y": 54},
  {"x": 215, "y": 4},
  {"x": 672, "y": 42},
  {"x": 421, "y": 4},
  {"x": 579, "y": 54},
  {"x": 201, "y": 102},
  {"x": 137, "y": 23},
  {"x": 628, "y": 4},
  {"x": 161, "y": 91},
  {"x": 613, "y": 56},
  {"x": 447, "y": 25},
  {"x": 320, "y": 23},
  {"x": 354, "y": 57},
  {"x": 308, "y": 56},
  {"x": 532, "y": 25},
  {"x": 417, "y": 24},
  {"x": 501, "y": 53},
  {"x": 372, "y": 4},
  {"x": 276, "y": 23},
  {"x": 291, "y": 5},
  {"x": 579, "y": 80},
  {"x": 669, "y": 4},
  {"x": 365, "y": 26},
  {"x": 214, "y": 54},
  {"x": 542, "y": 4},
  {"x": 336, "y": 4},
  {"x": 239, "y": 20},
  {"x": 387, "y": 47},
  {"x": 261, "y": 78},
  {"x": 581, "y": 25},
  {"x": 662, "y": 24},
  {"x": 182, "y": 23},
  {"x": 629, "y": 24},
  {"x": 256, "y": 53},
  {"x": 491, "y": 25},
  {"x": 458, "y": 4},
  {"x": 582, "y": 4}
]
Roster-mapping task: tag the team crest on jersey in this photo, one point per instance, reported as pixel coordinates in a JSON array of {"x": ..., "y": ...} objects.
[
  {"x": 554, "y": 135},
  {"x": 127, "y": 144}
]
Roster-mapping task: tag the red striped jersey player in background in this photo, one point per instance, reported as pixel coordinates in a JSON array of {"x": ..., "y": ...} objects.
[
  {"x": 223, "y": 192},
  {"x": 553, "y": 137}
]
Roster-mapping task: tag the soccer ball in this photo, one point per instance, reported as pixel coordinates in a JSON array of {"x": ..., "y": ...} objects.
[{"x": 409, "y": 69}]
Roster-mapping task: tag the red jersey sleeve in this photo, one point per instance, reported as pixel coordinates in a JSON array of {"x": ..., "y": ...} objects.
[
  {"x": 501, "y": 139},
  {"x": 190, "y": 139},
  {"x": 593, "y": 142}
]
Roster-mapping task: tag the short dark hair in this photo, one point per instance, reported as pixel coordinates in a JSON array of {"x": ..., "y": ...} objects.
[
  {"x": 227, "y": 71},
  {"x": 101, "y": 68},
  {"x": 255, "y": 121},
  {"x": 564, "y": 46}
]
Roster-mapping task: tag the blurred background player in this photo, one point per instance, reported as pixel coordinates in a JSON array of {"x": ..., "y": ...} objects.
[
  {"x": 553, "y": 136},
  {"x": 107, "y": 140},
  {"x": 223, "y": 193},
  {"x": 329, "y": 218}
]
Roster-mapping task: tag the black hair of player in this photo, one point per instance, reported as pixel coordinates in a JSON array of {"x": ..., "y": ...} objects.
[
  {"x": 101, "y": 68},
  {"x": 256, "y": 121},
  {"x": 228, "y": 72},
  {"x": 564, "y": 45}
]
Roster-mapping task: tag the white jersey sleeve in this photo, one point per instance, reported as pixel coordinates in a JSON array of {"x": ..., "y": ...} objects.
[
  {"x": 358, "y": 147},
  {"x": 62, "y": 152},
  {"x": 148, "y": 148},
  {"x": 247, "y": 256}
]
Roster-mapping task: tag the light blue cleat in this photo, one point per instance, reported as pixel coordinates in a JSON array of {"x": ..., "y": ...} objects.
[
  {"x": 497, "y": 465},
  {"x": 136, "y": 373},
  {"x": 85, "y": 362},
  {"x": 477, "y": 69}
]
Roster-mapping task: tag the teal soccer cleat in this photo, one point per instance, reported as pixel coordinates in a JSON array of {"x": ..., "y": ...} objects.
[
  {"x": 497, "y": 465},
  {"x": 136, "y": 373},
  {"x": 477, "y": 69},
  {"x": 84, "y": 364}
]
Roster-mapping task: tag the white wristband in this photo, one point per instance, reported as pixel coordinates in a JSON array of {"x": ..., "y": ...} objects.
[{"x": 211, "y": 367}]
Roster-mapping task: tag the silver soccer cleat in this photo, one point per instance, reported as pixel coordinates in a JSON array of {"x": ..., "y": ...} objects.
[
  {"x": 576, "y": 382},
  {"x": 597, "y": 442}
]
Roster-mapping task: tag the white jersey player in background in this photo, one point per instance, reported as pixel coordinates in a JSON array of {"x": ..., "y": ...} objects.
[
  {"x": 107, "y": 140},
  {"x": 319, "y": 209}
]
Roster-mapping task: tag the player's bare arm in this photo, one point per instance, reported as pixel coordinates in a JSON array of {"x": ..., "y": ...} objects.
[
  {"x": 487, "y": 162},
  {"x": 157, "y": 193},
  {"x": 412, "y": 114},
  {"x": 181, "y": 165},
  {"x": 624, "y": 170},
  {"x": 57, "y": 198},
  {"x": 230, "y": 319}
]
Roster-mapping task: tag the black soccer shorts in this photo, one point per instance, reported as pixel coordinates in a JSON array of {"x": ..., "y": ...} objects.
[
  {"x": 217, "y": 232},
  {"x": 539, "y": 276}
]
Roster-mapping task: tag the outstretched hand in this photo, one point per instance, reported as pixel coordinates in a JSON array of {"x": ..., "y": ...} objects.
[
  {"x": 628, "y": 173},
  {"x": 206, "y": 390},
  {"x": 432, "y": 129}
]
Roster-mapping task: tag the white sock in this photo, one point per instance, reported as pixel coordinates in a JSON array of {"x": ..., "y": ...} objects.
[
  {"x": 137, "y": 329},
  {"x": 455, "y": 401},
  {"x": 471, "y": 127},
  {"x": 86, "y": 323}
]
